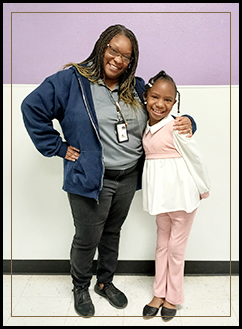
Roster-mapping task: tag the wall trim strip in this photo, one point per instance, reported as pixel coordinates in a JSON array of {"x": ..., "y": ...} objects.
[{"x": 125, "y": 267}]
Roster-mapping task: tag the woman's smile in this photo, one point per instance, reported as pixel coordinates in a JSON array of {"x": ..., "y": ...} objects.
[{"x": 114, "y": 67}]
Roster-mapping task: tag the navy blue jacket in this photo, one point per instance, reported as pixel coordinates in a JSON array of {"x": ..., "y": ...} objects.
[{"x": 66, "y": 96}]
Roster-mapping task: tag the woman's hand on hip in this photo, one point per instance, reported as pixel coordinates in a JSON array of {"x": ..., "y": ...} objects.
[
  {"x": 72, "y": 153},
  {"x": 183, "y": 125}
]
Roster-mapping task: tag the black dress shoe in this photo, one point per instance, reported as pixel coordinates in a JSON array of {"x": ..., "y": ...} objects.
[
  {"x": 83, "y": 303},
  {"x": 167, "y": 313},
  {"x": 149, "y": 311},
  {"x": 115, "y": 297}
]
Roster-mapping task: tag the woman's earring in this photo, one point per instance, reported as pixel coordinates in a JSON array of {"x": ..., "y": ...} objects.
[{"x": 128, "y": 67}]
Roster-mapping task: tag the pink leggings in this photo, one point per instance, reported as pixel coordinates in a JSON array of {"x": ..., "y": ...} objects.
[{"x": 173, "y": 229}]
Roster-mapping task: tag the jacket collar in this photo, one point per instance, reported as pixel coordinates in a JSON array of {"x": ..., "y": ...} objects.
[
  {"x": 140, "y": 86},
  {"x": 87, "y": 94}
]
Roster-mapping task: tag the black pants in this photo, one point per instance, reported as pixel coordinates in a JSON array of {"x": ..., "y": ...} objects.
[{"x": 99, "y": 225}]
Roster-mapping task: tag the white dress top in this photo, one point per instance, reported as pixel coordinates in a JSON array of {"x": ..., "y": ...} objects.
[{"x": 174, "y": 176}]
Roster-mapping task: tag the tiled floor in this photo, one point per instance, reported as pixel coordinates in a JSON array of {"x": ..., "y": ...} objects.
[{"x": 47, "y": 300}]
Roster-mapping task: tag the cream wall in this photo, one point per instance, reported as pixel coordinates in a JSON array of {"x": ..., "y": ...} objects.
[{"x": 39, "y": 225}]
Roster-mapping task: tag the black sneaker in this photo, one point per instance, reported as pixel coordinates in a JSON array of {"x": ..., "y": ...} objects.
[
  {"x": 115, "y": 297},
  {"x": 83, "y": 303}
]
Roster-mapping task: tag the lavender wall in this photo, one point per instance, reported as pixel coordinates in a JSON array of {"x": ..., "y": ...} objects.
[{"x": 192, "y": 43}]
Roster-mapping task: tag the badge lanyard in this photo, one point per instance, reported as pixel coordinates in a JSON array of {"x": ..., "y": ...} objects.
[{"x": 121, "y": 125}]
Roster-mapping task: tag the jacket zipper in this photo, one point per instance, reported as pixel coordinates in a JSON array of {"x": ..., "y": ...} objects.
[{"x": 84, "y": 99}]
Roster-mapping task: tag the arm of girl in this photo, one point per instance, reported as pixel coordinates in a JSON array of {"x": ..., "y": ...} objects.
[{"x": 190, "y": 152}]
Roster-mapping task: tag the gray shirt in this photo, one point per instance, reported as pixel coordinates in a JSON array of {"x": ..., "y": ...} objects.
[{"x": 118, "y": 156}]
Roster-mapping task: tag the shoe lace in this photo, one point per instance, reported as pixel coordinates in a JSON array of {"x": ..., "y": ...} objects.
[{"x": 82, "y": 294}]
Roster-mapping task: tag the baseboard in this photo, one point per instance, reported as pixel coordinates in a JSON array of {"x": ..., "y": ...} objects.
[{"x": 128, "y": 267}]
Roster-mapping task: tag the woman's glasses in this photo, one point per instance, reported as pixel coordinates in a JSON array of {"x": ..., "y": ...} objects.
[{"x": 114, "y": 52}]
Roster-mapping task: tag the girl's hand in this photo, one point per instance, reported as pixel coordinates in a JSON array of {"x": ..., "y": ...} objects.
[
  {"x": 183, "y": 125},
  {"x": 72, "y": 153}
]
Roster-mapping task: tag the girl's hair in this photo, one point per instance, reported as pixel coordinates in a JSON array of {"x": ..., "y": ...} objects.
[
  {"x": 92, "y": 67},
  {"x": 162, "y": 76}
]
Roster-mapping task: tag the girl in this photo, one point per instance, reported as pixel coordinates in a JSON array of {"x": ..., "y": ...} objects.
[{"x": 174, "y": 181}]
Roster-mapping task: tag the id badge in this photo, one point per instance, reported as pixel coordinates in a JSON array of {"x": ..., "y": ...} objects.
[{"x": 121, "y": 132}]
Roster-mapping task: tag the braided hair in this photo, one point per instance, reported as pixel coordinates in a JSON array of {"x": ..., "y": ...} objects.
[
  {"x": 162, "y": 76},
  {"x": 92, "y": 67}
]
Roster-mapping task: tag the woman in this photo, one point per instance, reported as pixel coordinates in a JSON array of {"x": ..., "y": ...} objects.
[{"x": 99, "y": 105}]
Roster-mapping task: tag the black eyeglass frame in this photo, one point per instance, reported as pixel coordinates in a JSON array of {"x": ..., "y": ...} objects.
[{"x": 117, "y": 53}]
